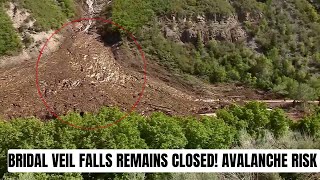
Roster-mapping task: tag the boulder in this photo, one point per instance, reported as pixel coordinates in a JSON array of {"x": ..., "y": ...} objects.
[
  {"x": 170, "y": 34},
  {"x": 189, "y": 35}
]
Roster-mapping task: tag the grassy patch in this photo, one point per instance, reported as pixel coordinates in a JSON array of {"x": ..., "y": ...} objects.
[
  {"x": 49, "y": 14},
  {"x": 131, "y": 14}
]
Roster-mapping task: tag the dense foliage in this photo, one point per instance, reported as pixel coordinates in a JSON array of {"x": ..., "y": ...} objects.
[
  {"x": 156, "y": 131},
  {"x": 311, "y": 125},
  {"x": 280, "y": 53},
  {"x": 9, "y": 40},
  {"x": 68, "y": 7}
]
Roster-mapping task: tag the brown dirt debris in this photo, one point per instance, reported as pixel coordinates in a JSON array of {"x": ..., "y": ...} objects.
[{"x": 84, "y": 74}]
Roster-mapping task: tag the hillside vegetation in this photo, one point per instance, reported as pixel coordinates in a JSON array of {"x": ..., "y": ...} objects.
[
  {"x": 49, "y": 14},
  {"x": 279, "y": 51},
  {"x": 249, "y": 126},
  {"x": 9, "y": 40},
  {"x": 46, "y": 15}
]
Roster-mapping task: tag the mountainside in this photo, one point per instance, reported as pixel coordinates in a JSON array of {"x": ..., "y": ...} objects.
[
  {"x": 219, "y": 74},
  {"x": 272, "y": 45},
  {"x": 80, "y": 73},
  {"x": 269, "y": 45}
]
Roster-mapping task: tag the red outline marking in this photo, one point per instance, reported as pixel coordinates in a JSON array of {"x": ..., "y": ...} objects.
[{"x": 140, "y": 94}]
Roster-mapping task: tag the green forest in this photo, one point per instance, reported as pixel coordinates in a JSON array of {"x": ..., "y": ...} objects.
[{"x": 248, "y": 126}]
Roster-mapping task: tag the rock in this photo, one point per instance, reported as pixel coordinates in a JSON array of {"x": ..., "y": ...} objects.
[
  {"x": 227, "y": 28},
  {"x": 201, "y": 19},
  {"x": 189, "y": 36},
  {"x": 170, "y": 34},
  {"x": 238, "y": 34},
  {"x": 224, "y": 35}
]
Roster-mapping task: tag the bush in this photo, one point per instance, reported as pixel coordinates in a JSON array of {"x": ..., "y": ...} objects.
[
  {"x": 208, "y": 133},
  {"x": 256, "y": 119},
  {"x": 221, "y": 135},
  {"x": 310, "y": 125},
  {"x": 162, "y": 132},
  {"x": 279, "y": 124},
  {"x": 218, "y": 75},
  {"x": 28, "y": 40}
]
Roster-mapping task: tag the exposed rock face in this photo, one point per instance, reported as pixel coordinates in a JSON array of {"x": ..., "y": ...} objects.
[
  {"x": 250, "y": 16},
  {"x": 237, "y": 34},
  {"x": 188, "y": 29},
  {"x": 189, "y": 35},
  {"x": 170, "y": 34}
]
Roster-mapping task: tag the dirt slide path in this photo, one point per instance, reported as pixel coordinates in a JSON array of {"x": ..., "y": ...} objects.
[{"x": 83, "y": 75}]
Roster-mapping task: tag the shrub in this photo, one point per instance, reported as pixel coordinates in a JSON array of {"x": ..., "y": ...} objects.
[
  {"x": 28, "y": 40},
  {"x": 162, "y": 132},
  {"x": 310, "y": 125},
  {"x": 279, "y": 124}
]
